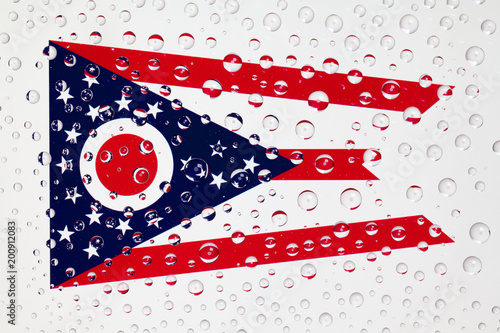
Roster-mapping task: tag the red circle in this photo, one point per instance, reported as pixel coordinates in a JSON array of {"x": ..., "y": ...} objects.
[{"x": 119, "y": 174}]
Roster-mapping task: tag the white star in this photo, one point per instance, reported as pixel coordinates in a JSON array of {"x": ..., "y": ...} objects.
[
  {"x": 94, "y": 217},
  {"x": 90, "y": 80},
  {"x": 123, "y": 103},
  {"x": 154, "y": 110},
  {"x": 250, "y": 164},
  {"x": 65, "y": 234},
  {"x": 218, "y": 180},
  {"x": 124, "y": 226},
  {"x": 184, "y": 162},
  {"x": 65, "y": 165},
  {"x": 155, "y": 222},
  {"x": 94, "y": 112},
  {"x": 72, "y": 135},
  {"x": 217, "y": 149},
  {"x": 92, "y": 251},
  {"x": 72, "y": 194},
  {"x": 65, "y": 96}
]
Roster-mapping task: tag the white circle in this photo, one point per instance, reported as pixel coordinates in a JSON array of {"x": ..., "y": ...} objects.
[{"x": 164, "y": 171}]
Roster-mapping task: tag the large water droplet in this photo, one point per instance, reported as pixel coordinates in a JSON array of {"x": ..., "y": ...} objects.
[
  {"x": 356, "y": 299},
  {"x": 195, "y": 287},
  {"x": 325, "y": 319},
  {"x": 488, "y": 27},
  {"x": 308, "y": 271},
  {"x": 409, "y": 24},
  {"x": 475, "y": 55},
  {"x": 350, "y": 198},
  {"x": 272, "y": 21},
  {"x": 479, "y": 232},
  {"x": 334, "y": 23},
  {"x": 447, "y": 187},
  {"x": 306, "y": 14},
  {"x": 307, "y": 200},
  {"x": 472, "y": 265},
  {"x": 209, "y": 252}
]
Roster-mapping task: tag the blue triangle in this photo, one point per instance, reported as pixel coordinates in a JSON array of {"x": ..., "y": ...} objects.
[{"x": 70, "y": 259}]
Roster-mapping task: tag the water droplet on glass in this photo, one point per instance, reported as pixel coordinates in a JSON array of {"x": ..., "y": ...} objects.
[
  {"x": 272, "y": 21},
  {"x": 480, "y": 186},
  {"x": 294, "y": 40},
  {"x": 350, "y": 198},
  {"x": 406, "y": 55},
  {"x": 472, "y": 265},
  {"x": 412, "y": 115},
  {"x": 254, "y": 44},
  {"x": 14, "y": 63},
  {"x": 318, "y": 100},
  {"x": 123, "y": 288},
  {"x": 446, "y": 23},
  {"x": 349, "y": 266},
  {"x": 306, "y": 14},
  {"x": 33, "y": 96},
  {"x": 378, "y": 20},
  {"x": 380, "y": 121},
  {"x": 44, "y": 158},
  {"x": 307, "y": 200},
  {"x": 255, "y": 100},
  {"x": 334, "y": 23},
  {"x": 479, "y": 232},
  {"x": 209, "y": 252},
  {"x": 447, "y": 187},
  {"x": 191, "y": 9},
  {"x": 215, "y": 18},
  {"x": 409, "y": 24},
  {"x": 475, "y": 55},
  {"x": 462, "y": 142},
  {"x": 186, "y": 41},
  {"x": 488, "y": 27},
  {"x": 433, "y": 41},
  {"x": 325, "y": 319},
  {"x": 247, "y": 23},
  {"x": 372, "y": 157},
  {"x": 414, "y": 193},
  {"x": 195, "y": 287},
  {"x": 239, "y": 178},
  {"x": 279, "y": 218},
  {"x": 387, "y": 42},
  {"x": 356, "y": 299},
  {"x": 232, "y": 6},
  {"x": 352, "y": 43},
  {"x": 155, "y": 42},
  {"x": 440, "y": 268}
]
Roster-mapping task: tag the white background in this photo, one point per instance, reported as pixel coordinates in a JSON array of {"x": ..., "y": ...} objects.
[{"x": 414, "y": 305}]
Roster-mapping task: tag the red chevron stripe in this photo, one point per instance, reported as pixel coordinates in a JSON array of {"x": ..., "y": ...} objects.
[
  {"x": 309, "y": 243},
  {"x": 250, "y": 77},
  {"x": 347, "y": 165}
]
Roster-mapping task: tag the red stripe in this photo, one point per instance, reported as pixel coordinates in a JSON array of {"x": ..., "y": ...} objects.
[
  {"x": 234, "y": 255},
  {"x": 348, "y": 165},
  {"x": 249, "y": 78}
]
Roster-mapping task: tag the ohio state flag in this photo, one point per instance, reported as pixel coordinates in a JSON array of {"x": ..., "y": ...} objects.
[{"x": 129, "y": 164}]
